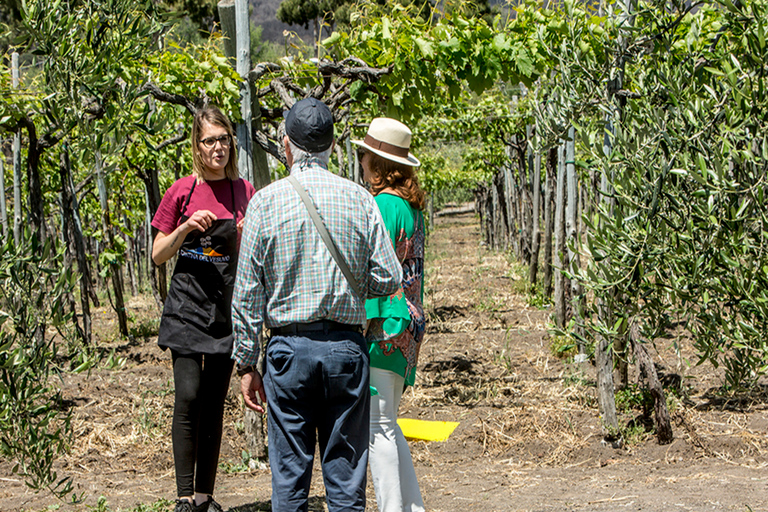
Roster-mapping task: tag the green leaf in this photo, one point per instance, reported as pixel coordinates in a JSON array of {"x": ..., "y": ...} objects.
[
  {"x": 230, "y": 86},
  {"x": 220, "y": 60},
  {"x": 714, "y": 71},
  {"x": 425, "y": 47},
  {"x": 501, "y": 43},
  {"x": 524, "y": 62},
  {"x": 333, "y": 38},
  {"x": 386, "y": 28}
]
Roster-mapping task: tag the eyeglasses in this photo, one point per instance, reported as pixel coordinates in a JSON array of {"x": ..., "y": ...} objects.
[{"x": 210, "y": 142}]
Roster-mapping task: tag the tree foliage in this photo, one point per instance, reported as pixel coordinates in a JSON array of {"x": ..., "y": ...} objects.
[
  {"x": 34, "y": 427},
  {"x": 685, "y": 241},
  {"x": 301, "y": 12},
  {"x": 202, "y": 13},
  {"x": 679, "y": 243},
  {"x": 89, "y": 103}
]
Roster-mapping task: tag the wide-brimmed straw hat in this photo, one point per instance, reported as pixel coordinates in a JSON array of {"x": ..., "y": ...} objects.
[{"x": 389, "y": 139}]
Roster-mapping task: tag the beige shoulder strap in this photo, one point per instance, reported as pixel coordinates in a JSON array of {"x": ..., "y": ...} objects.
[{"x": 325, "y": 235}]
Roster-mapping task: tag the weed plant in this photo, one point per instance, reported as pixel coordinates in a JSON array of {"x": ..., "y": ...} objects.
[
  {"x": 145, "y": 329},
  {"x": 161, "y": 505},
  {"x": 241, "y": 466},
  {"x": 151, "y": 416}
]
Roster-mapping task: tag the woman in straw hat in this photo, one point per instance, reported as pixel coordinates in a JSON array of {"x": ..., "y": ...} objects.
[{"x": 396, "y": 323}]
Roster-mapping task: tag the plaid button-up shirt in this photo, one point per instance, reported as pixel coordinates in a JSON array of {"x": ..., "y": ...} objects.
[{"x": 286, "y": 273}]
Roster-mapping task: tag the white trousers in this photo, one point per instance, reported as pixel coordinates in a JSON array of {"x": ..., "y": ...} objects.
[{"x": 394, "y": 478}]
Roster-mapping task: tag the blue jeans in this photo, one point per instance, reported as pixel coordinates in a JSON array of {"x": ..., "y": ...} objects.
[{"x": 318, "y": 390}]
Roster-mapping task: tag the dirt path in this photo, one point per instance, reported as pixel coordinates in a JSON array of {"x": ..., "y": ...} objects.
[{"x": 528, "y": 437}]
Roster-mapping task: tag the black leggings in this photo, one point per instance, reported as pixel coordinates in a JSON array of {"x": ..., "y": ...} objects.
[{"x": 201, "y": 383}]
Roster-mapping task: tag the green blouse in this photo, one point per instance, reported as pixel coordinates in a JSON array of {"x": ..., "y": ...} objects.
[{"x": 389, "y": 316}]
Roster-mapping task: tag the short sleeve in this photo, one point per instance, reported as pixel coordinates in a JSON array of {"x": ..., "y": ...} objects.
[{"x": 168, "y": 213}]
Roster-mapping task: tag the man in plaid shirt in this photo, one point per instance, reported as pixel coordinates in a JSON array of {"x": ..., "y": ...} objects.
[{"x": 317, "y": 375}]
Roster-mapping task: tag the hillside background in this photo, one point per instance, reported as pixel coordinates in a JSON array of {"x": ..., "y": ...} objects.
[{"x": 263, "y": 14}]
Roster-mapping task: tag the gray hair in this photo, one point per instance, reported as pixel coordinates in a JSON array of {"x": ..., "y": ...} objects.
[{"x": 300, "y": 156}]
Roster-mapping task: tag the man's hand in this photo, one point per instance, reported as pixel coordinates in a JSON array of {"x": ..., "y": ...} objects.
[{"x": 250, "y": 385}]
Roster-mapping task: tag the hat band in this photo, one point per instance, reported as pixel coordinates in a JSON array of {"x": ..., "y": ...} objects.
[{"x": 386, "y": 147}]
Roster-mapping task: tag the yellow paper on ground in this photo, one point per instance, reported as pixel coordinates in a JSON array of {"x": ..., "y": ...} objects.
[{"x": 426, "y": 430}]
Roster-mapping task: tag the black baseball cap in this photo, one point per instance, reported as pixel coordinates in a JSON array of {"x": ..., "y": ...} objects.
[{"x": 309, "y": 125}]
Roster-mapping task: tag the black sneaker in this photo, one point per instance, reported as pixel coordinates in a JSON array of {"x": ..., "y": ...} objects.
[
  {"x": 184, "y": 506},
  {"x": 209, "y": 506}
]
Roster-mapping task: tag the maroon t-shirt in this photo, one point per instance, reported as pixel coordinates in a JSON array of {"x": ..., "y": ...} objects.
[{"x": 215, "y": 196}]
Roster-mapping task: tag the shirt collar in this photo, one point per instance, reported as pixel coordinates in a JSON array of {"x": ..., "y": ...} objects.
[{"x": 311, "y": 163}]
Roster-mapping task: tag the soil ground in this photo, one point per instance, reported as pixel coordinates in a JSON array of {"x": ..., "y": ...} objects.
[{"x": 529, "y": 436}]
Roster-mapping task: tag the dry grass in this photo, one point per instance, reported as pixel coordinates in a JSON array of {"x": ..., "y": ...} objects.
[{"x": 484, "y": 362}]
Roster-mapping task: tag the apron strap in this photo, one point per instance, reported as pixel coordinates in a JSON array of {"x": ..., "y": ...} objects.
[
  {"x": 234, "y": 210},
  {"x": 186, "y": 203}
]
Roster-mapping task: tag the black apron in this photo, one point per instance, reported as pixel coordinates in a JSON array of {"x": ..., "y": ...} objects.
[{"x": 197, "y": 313}]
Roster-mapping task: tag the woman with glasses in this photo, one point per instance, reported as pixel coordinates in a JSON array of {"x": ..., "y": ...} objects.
[{"x": 200, "y": 219}]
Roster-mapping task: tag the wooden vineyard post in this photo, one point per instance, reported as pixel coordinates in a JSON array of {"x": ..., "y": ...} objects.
[
  {"x": 159, "y": 277},
  {"x": 560, "y": 253},
  {"x": 236, "y": 29},
  {"x": 243, "y": 66},
  {"x": 549, "y": 180},
  {"x": 148, "y": 243},
  {"x": 486, "y": 214},
  {"x": 115, "y": 273},
  {"x": 606, "y": 398},
  {"x": 256, "y": 161},
  {"x": 235, "y": 25},
  {"x": 129, "y": 263},
  {"x": 509, "y": 203},
  {"x": 16, "y": 159},
  {"x": 3, "y": 206},
  {"x": 512, "y": 198},
  {"x": 526, "y": 178},
  {"x": 520, "y": 202},
  {"x": 497, "y": 219},
  {"x": 72, "y": 226},
  {"x": 572, "y": 232},
  {"x": 535, "y": 235},
  {"x": 138, "y": 261}
]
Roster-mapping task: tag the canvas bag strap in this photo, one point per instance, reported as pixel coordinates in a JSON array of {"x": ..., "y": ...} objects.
[{"x": 325, "y": 235}]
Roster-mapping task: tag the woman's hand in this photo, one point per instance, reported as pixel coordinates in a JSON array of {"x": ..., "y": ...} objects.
[
  {"x": 168, "y": 244},
  {"x": 200, "y": 220},
  {"x": 240, "y": 225}
]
